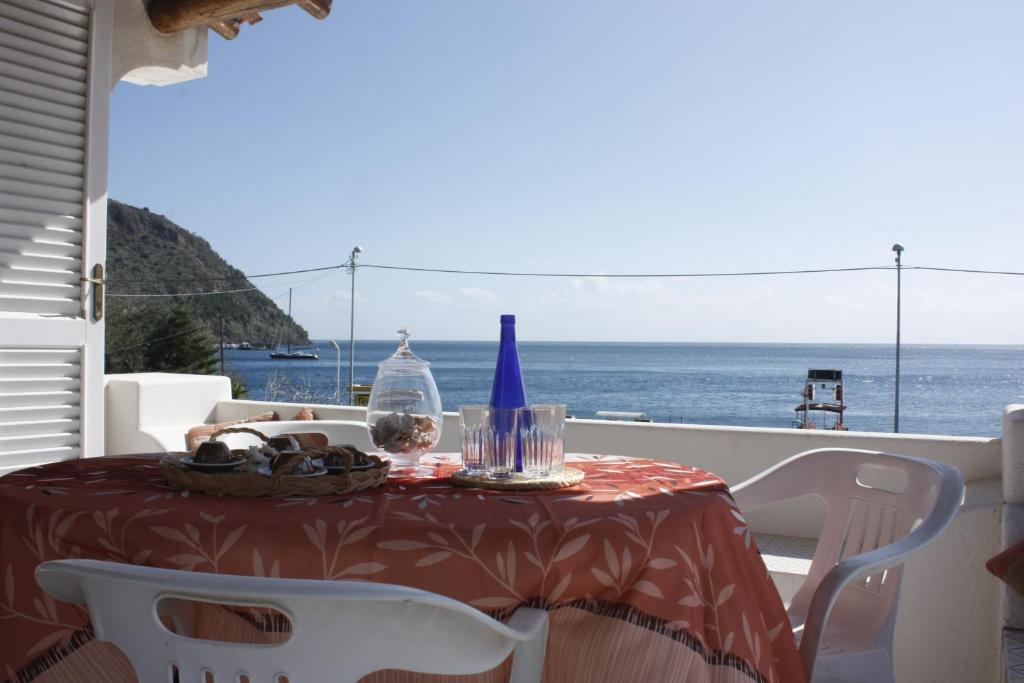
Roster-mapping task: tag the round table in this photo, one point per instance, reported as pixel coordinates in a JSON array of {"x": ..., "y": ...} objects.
[{"x": 647, "y": 567}]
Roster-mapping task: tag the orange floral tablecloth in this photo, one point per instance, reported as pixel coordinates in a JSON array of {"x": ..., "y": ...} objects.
[{"x": 647, "y": 568}]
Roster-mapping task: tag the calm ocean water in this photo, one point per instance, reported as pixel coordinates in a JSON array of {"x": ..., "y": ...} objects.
[{"x": 959, "y": 390}]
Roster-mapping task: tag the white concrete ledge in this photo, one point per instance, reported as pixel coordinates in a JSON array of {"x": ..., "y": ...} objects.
[{"x": 751, "y": 449}]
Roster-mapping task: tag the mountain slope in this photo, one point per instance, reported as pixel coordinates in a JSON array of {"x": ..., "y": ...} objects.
[{"x": 149, "y": 254}]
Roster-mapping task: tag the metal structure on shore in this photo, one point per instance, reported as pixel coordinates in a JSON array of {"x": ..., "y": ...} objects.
[{"x": 825, "y": 382}]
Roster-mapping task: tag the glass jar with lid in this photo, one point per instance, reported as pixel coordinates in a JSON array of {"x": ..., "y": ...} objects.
[{"x": 404, "y": 412}]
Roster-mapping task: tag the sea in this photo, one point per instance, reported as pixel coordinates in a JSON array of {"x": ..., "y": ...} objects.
[{"x": 954, "y": 390}]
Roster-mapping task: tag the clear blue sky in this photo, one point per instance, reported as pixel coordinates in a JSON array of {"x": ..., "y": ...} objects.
[{"x": 594, "y": 136}]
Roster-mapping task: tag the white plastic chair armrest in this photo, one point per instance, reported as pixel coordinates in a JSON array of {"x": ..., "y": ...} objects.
[
  {"x": 528, "y": 623},
  {"x": 531, "y": 627}
]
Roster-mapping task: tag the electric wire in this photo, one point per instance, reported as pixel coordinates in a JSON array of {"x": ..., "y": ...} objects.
[
  {"x": 457, "y": 271},
  {"x": 190, "y": 330},
  {"x": 241, "y": 276},
  {"x": 471, "y": 272},
  {"x": 503, "y": 273},
  {"x": 181, "y": 294},
  {"x": 972, "y": 271},
  {"x": 326, "y": 270},
  {"x": 305, "y": 283}
]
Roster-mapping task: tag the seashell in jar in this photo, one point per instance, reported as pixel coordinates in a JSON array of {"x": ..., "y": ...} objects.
[{"x": 404, "y": 433}]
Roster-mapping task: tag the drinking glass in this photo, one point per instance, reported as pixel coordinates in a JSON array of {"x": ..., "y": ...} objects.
[
  {"x": 473, "y": 421},
  {"x": 542, "y": 438},
  {"x": 500, "y": 442}
]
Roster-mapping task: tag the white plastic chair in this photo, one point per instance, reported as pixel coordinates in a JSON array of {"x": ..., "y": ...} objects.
[
  {"x": 340, "y": 630},
  {"x": 880, "y": 510}
]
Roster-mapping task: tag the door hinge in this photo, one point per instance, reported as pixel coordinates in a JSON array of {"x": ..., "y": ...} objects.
[{"x": 99, "y": 286}]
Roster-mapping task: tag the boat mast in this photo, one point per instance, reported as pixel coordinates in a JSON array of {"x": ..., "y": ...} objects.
[
  {"x": 808, "y": 393},
  {"x": 289, "y": 320}
]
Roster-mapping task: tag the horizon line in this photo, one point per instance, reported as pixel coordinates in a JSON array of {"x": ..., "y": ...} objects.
[{"x": 719, "y": 343}]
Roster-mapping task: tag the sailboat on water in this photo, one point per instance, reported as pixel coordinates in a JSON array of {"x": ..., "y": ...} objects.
[{"x": 303, "y": 353}]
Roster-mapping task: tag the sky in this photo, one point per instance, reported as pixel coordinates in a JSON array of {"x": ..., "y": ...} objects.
[{"x": 588, "y": 136}]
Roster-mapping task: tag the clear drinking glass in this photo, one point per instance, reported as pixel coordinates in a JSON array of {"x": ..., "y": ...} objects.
[
  {"x": 474, "y": 422},
  {"x": 542, "y": 438},
  {"x": 500, "y": 442}
]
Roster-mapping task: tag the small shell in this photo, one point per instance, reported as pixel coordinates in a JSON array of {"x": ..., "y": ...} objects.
[{"x": 404, "y": 433}]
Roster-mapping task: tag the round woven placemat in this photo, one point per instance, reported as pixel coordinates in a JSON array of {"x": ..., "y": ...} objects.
[{"x": 567, "y": 476}]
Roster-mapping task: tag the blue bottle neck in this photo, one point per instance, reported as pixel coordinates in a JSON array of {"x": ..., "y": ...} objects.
[
  {"x": 508, "y": 390},
  {"x": 508, "y": 333}
]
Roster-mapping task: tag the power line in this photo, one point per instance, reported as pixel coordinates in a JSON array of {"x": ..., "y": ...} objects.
[
  {"x": 802, "y": 271},
  {"x": 453, "y": 271},
  {"x": 240, "y": 276},
  {"x": 502, "y": 273},
  {"x": 974, "y": 271},
  {"x": 456, "y": 271},
  {"x": 211, "y": 293},
  {"x": 309, "y": 282},
  {"x": 190, "y": 330},
  {"x": 183, "y": 294}
]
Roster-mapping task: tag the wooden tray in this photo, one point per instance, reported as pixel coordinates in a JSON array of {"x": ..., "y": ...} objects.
[
  {"x": 567, "y": 476},
  {"x": 252, "y": 484}
]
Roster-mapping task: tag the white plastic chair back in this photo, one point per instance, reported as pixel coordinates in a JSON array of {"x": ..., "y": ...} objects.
[
  {"x": 880, "y": 509},
  {"x": 340, "y": 630}
]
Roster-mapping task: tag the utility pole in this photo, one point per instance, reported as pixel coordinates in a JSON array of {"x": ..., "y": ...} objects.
[
  {"x": 351, "y": 267},
  {"x": 898, "y": 248},
  {"x": 337, "y": 370}
]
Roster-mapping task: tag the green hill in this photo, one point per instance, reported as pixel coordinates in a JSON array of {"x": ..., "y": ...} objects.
[{"x": 149, "y": 254}]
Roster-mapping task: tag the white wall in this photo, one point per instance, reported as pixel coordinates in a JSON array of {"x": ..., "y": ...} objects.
[
  {"x": 144, "y": 56},
  {"x": 948, "y": 626},
  {"x": 150, "y": 412},
  {"x": 734, "y": 453}
]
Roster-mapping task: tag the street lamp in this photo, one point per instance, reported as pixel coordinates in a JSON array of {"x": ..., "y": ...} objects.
[
  {"x": 898, "y": 248},
  {"x": 351, "y": 267}
]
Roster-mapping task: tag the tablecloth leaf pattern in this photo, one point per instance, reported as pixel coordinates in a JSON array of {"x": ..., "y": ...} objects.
[{"x": 647, "y": 568}]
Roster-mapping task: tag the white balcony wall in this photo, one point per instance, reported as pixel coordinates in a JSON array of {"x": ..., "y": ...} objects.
[
  {"x": 149, "y": 412},
  {"x": 949, "y": 619},
  {"x": 950, "y": 611}
]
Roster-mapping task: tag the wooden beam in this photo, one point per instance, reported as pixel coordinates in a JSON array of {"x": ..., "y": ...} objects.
[
  {"x": 228, "y": 29},
  {"x": 318, "y": 8},
  {"x": 171, "y": 16}
]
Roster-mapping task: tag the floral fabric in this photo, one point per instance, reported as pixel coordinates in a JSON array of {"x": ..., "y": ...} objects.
[
  {"x": 647, "y": 568},
  {"x": 1009, "y": 566}
]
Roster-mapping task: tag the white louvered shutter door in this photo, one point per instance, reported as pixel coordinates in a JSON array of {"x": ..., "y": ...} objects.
[{"x": 54, "y": 90}]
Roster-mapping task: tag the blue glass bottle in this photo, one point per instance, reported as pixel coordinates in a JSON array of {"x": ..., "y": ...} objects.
[{"x": 508, "y": 390}]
